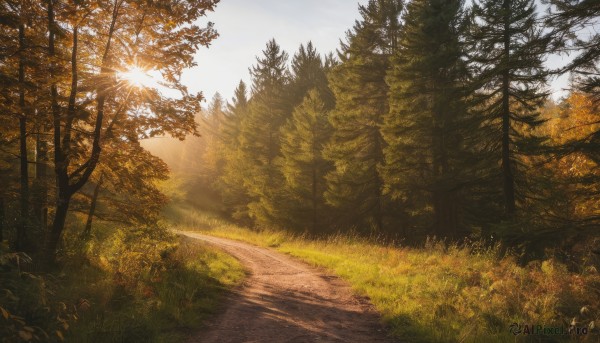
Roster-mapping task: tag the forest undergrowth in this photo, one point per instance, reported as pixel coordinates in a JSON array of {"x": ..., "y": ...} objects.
[{"x": 121, "y": 285}]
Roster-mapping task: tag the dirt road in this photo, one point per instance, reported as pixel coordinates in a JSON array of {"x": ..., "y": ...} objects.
[{"x": 284, "y": 300}]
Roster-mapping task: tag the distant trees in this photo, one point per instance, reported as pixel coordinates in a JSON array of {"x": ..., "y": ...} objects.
[
  {"x": 212, "y": 121},
  {"x": 428, "y": 122},
  {"x": 575, "y": 31},
  {"x": 575, "y": 172}
]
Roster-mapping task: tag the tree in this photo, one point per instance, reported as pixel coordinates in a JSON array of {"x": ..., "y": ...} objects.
[
  {"x": 260, "y": 133},
  {"x": 355, "y": 185},
  {"x": 428, "y": 118},
  {"x": 211, "y": 129},
  {"x": 14, "y": 57},
  {"x": 231, "y": 182},
  {"x": 23, "y": 115},
  {"x": 116, "y": 37},
  {"x": 575, "y": 175},
  {"x": 308, "y": 72},
  {"x": 508, "y": 49},
  {"x": 303, "y": 164},
  {"x": 21, "y": 77},
  {"x": 574, "y": 31},
  {"x": 123, "y": 188}
]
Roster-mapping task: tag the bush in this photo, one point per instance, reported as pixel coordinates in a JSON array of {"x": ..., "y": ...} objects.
[
  {"x": 147, "y": 285},
  {"x": 29, "y": 311}
]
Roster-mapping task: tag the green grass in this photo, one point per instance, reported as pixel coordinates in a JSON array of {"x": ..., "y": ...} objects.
[
  {"x": 439, "y": 293},
  {"x": 139, "y": 285}
]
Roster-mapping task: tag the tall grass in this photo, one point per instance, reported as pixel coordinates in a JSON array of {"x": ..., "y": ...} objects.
[
  {"x": 441, "y": 293},
  {"x": 146, "y": 285},
  {"x": 125, "y": 284}
]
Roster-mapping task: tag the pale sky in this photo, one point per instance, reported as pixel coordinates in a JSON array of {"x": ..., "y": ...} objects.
[{"x": 245, "y": 26}]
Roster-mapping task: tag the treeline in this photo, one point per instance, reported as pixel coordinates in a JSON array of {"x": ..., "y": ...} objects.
[
  {"x": 434, "y": 119},
  {"x": 71, "y": 125}
]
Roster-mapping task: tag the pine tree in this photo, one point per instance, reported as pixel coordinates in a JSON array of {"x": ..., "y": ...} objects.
[
  {"x": 308, "y": 72},
  {"x": 303, "y": 165},
  {"x": 508, "y": 48},
  {"x": 231, "y": 183},
  {"x": 260, "y": 133},
  {"x": 425, "y": 127},
  {"x": 356, "y": 149},
  {"x": 211, "y": 128},
  {"x": 235, "y": 112}
]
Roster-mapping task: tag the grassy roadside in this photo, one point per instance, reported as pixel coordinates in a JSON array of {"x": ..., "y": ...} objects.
[
  {"x": 143, "y": 290},
  {"x": 438, "y": 293},
  {"x": 124, "y": 285}
]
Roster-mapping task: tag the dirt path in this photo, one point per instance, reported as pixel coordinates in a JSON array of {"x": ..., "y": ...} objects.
[{"x": 284, "y": 300}]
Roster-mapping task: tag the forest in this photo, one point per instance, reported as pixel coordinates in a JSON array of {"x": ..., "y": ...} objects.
[{"x": 434, "y": 121}]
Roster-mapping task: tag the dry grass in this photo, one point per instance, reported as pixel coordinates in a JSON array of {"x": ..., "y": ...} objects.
[{"x": 440, "y": 293}]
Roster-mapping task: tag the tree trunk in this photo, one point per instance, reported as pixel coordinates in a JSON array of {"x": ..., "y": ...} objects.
[
  {"x": 40, "y": 201},
  {"x": 1, "y": 219},
  {"x": 53, "y": 238},
  {"x": 24, "y": 196},
  {"x": 508, "y": 178},
  {"x": 314, "y": 199},
  {"x": 378, "y": 213},
  {"x": 445, "y": 213},
  {"x": 378, "y": 210},
  {"x": 67, "y": 183},
  {"x": 88, "y": 224},
  {"x": 444, "y": 195},
  {"x": 21, "y": 241},
  {"x": 62, "y": 203}
]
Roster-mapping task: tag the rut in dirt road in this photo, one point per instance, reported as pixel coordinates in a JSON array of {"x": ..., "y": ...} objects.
[{"x": 284, "y": 300}]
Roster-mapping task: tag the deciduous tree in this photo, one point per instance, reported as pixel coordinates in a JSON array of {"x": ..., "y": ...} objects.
[{"x": 87, "y": 98}]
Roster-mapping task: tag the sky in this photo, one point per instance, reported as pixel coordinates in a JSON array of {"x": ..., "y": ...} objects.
[{"x": 245, "y": 26}]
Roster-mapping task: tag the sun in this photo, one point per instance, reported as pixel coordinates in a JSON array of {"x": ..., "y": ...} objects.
[{"x": 137, "y": 77}]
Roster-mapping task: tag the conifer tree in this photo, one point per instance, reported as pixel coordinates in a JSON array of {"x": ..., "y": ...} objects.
[
  {"x": 303, "y": 165},
  {"x": 508, "y": 49},
  {"x": 235, "y": 112},
  {"x": 425, "y": 126},
  {"x": 211, "y": 127},
  {"x": 356, "y": 149},
  {"x": 231, "y": 183},
  {"x": 259, "y": 133},
  {"x": 308, "y": 72}
]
